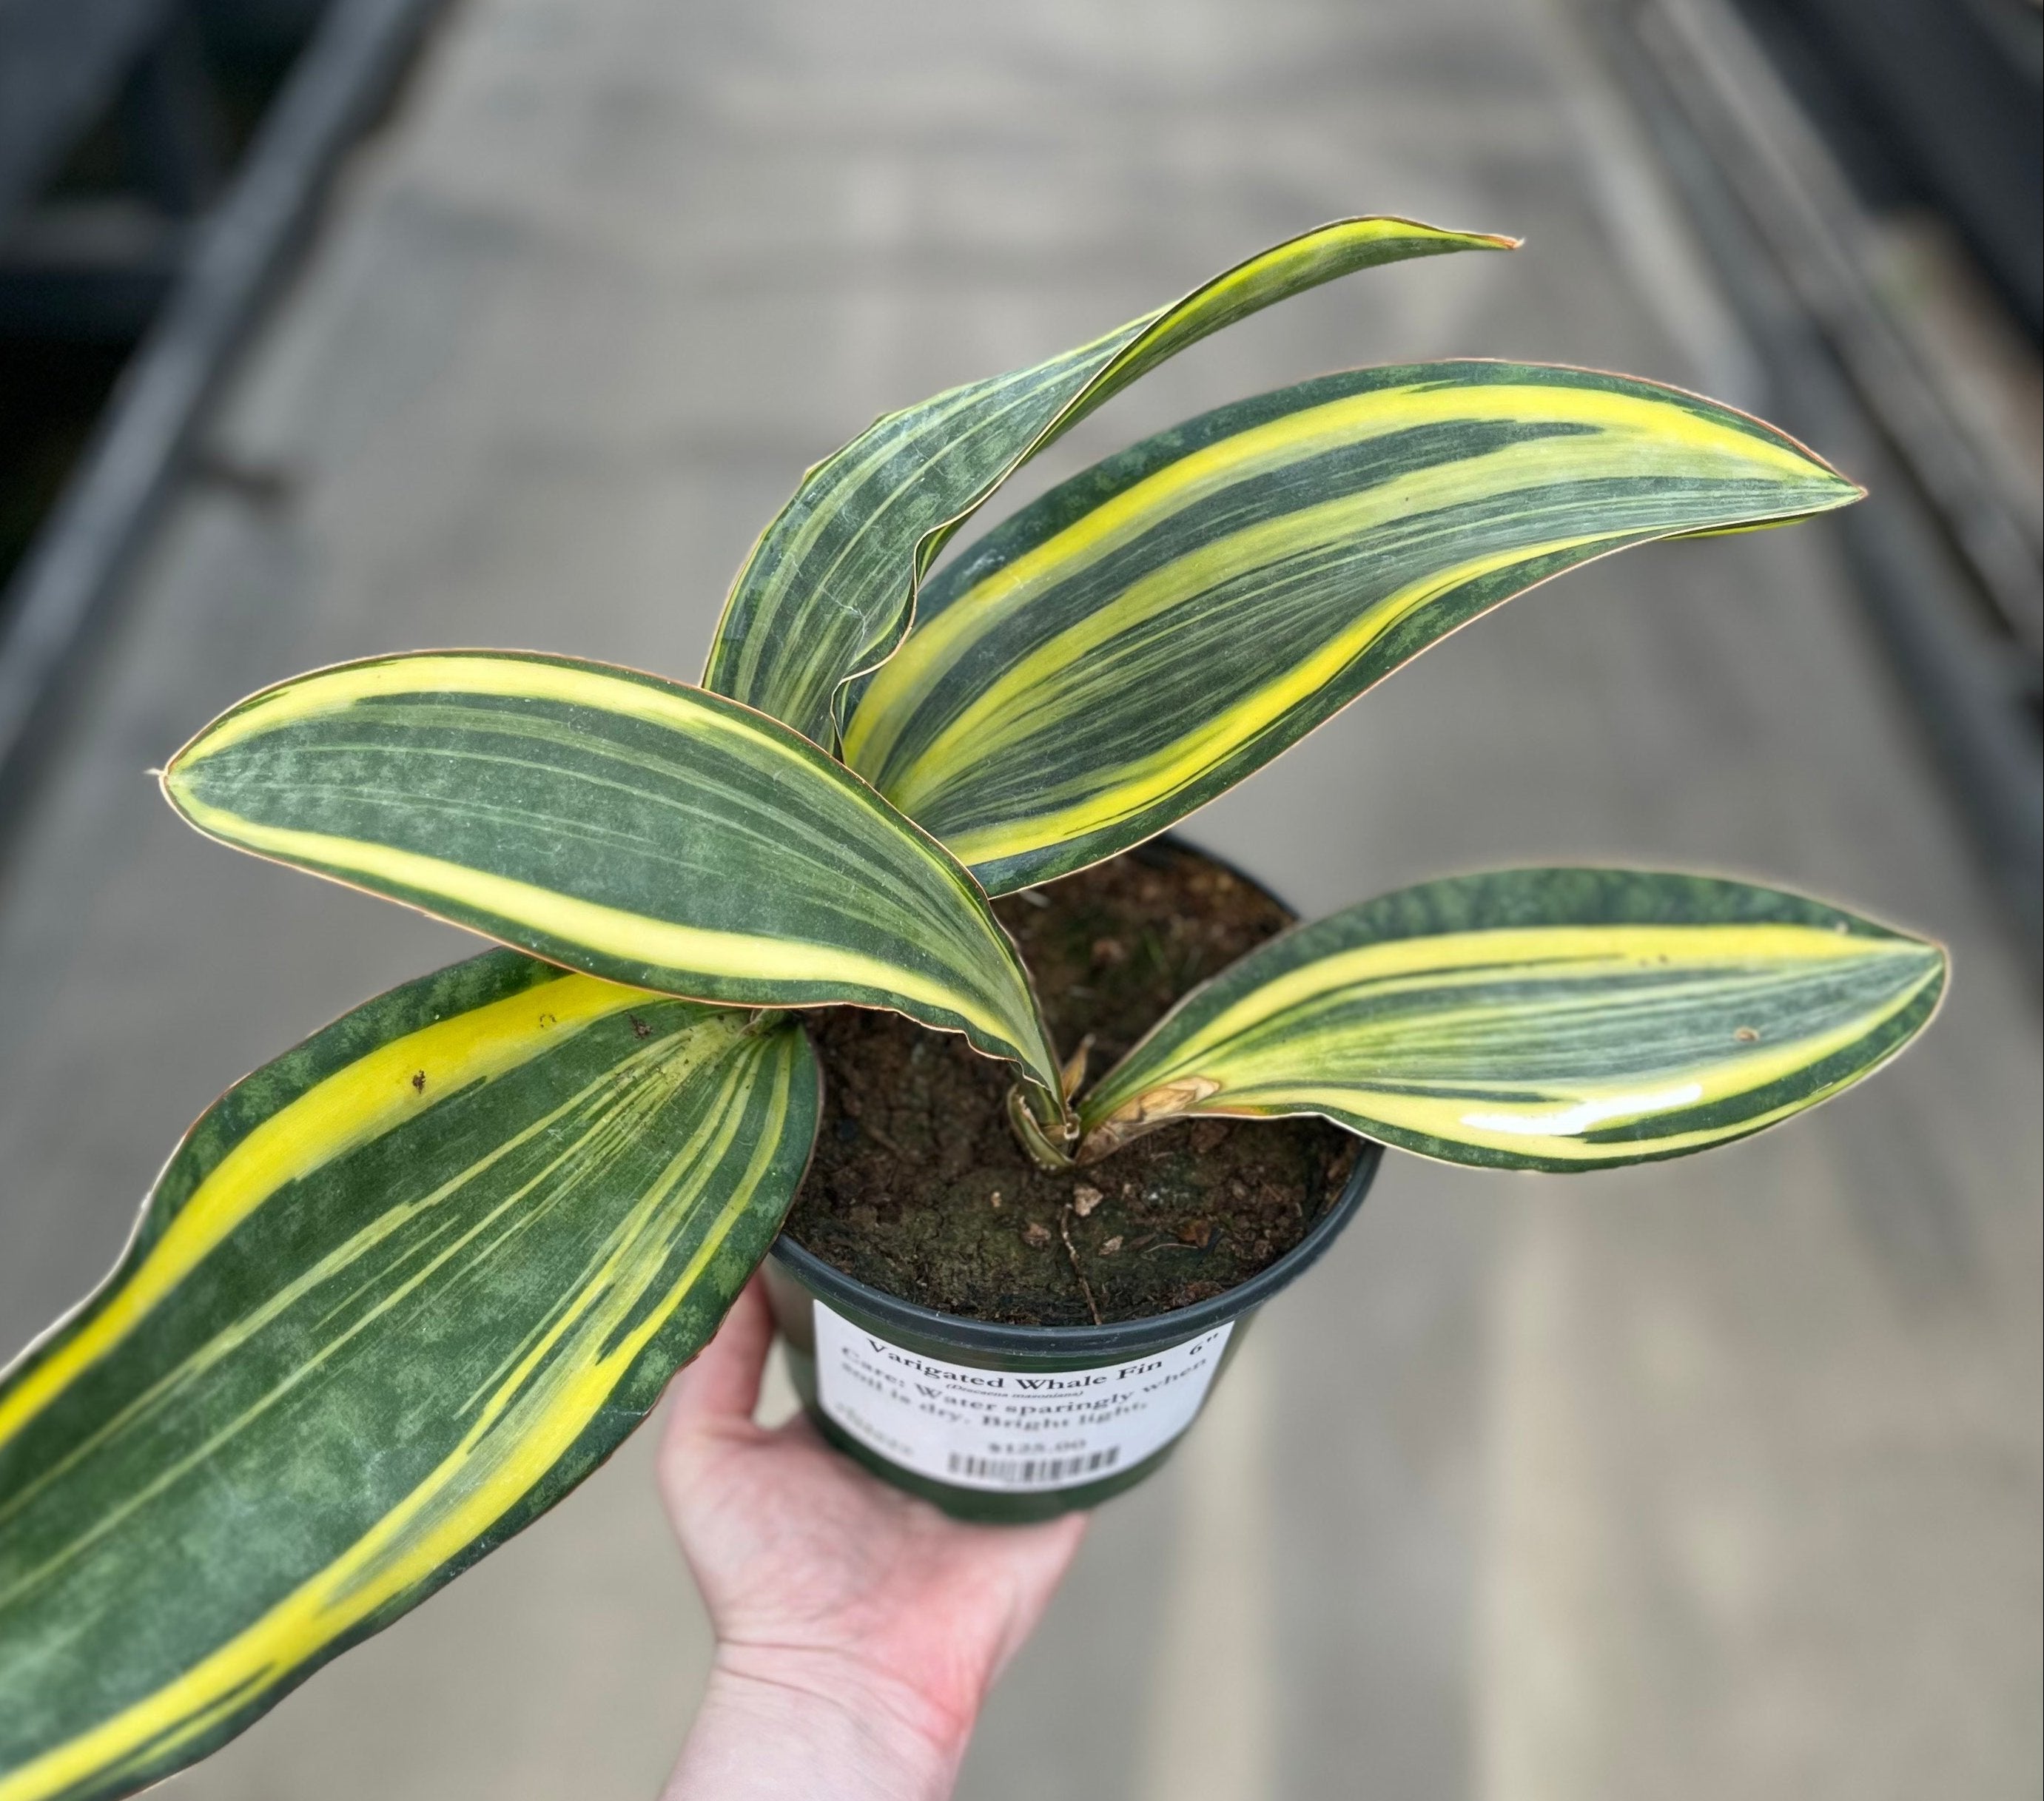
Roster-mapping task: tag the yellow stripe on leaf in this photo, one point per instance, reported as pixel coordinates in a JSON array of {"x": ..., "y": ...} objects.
[
  {"x": 392, "y": 1083},
  {"x": 1651, "y": 1015},
  {"x": 830, "y": 586},
  {"x": 568, "y": 1223},
  {"x": 1160, "y": 626},
  {"x": 637, "y": 830}
]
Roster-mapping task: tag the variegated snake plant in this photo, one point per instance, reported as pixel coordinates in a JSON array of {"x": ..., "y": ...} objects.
[{"x": 398, "y": 1292}]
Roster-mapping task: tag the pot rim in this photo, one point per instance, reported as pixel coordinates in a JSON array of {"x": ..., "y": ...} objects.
[
  {"x": 1148, "y": 1331},
  {"x": 1118, "y": 1337}
]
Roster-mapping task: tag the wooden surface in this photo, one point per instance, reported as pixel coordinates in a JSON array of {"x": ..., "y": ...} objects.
[{"x": 1718, "y": 1478}]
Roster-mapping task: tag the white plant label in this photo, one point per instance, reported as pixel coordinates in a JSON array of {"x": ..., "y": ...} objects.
[{"x": 1008, "y": 1429}]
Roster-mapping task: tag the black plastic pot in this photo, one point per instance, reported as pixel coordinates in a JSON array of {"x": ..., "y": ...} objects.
[
  {"x": 1012, "y": 1423},
  {"x": 941, "y": 1359}
]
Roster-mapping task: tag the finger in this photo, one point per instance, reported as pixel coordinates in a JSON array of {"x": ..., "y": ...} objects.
[{"x": 722, "y": 1384}]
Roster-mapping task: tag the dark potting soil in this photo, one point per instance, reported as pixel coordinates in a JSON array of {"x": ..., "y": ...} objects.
[{"x": 918, "y": 1187}]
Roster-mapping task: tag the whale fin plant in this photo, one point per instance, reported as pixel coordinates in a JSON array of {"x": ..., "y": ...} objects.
[{"x": 398, "y": 1292}]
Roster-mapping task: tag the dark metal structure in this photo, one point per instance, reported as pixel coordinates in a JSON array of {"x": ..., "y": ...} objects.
[
  {"x": 1805, "y": 156},
  {"x": 1936, "y": 103},
  {"x": 182, "y": 268}
]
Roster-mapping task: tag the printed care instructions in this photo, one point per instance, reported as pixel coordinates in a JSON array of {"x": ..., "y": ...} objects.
[{"x": 1008, "y": 1429}]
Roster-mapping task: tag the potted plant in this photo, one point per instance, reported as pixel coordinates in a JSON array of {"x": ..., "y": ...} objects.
[{"x": 398, "y": 1292}]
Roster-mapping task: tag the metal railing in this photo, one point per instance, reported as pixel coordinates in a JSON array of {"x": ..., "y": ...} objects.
[
  {"x": 61, "y": 63},
  {"x": 1946, "y": 557}
]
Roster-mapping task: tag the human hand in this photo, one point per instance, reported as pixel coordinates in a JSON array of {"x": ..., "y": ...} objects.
[{"x": 858, "y": 1628}]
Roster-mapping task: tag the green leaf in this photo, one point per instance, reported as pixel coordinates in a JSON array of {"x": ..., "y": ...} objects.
[
  {"x": 396, "y": 1294},
  {"x": 629, "y": 827},
  {"x": 1538, "y": 1020},
  {"x": 1144, "y": 636},
  {"x": 830, "y": 586}
]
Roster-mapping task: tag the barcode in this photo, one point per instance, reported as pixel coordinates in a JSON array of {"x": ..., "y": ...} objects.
[{"x": 1034, "y": 1469}]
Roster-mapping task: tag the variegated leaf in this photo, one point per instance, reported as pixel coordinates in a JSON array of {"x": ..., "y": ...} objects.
[
  {"x": 1538, "y": 1020},
  {"x": 829, "y": 587},
  {"x": 397, "y": 1293},
  {"x": 632, "y": 828},
  {"x": 1150, "y": 632}
]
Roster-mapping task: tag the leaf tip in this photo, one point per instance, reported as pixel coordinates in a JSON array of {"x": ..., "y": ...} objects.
[{"x": 170, "y": 782}]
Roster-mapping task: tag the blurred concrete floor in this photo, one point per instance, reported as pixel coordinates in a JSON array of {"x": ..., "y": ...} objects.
[{"x": 1716, "y": 1479}]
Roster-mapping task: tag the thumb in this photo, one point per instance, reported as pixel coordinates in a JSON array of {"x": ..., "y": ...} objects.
[{"x": 721, "y": 1385}]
